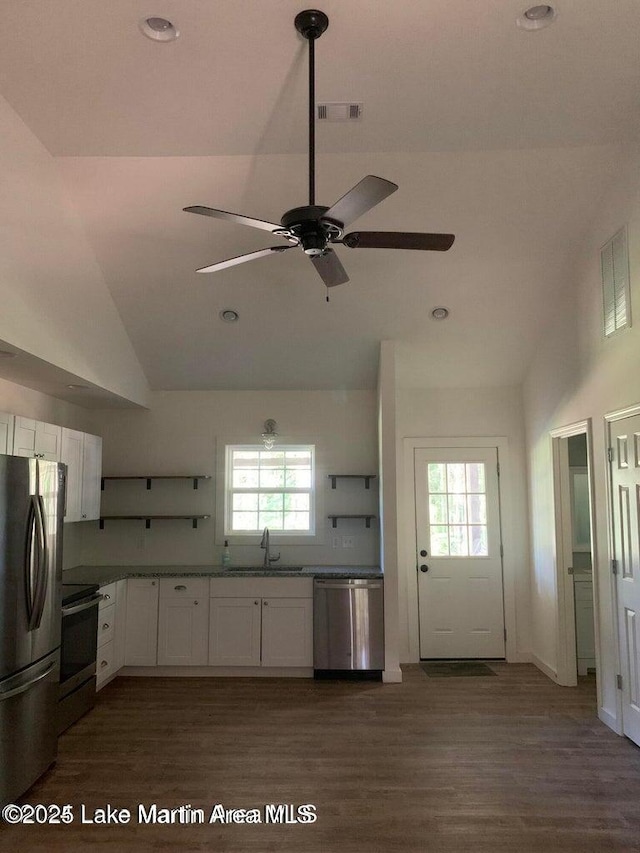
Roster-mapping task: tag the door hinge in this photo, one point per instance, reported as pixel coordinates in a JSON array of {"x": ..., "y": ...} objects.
[
  {"x": 619, "y": 681},
  {"x": 614, "y": 567},
  {"x": 610, "y": 454}
]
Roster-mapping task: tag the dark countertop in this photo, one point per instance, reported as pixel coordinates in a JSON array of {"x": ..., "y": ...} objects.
[{"x": 107, "y": 574}]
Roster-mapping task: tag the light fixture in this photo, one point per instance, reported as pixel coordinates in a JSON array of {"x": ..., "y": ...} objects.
[
  {"x": 228, "y": 315},
  {"x": 159, "y": 29},
  {"x": 440, "y": 313},
  {"x": 537, "y": 17},
  {"x": 269, "y": 435}
]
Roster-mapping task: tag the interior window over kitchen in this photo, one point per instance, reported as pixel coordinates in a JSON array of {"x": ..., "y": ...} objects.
[{"x": 270, "y": 488}]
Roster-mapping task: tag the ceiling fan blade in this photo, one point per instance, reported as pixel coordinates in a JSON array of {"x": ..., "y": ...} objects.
[
  {"x": 241, "y": 259},
  {"x": 329, "y": 268},
  {"x": 233, "y": 217},
  {"x": 398, "y": 240},
  {"x": 361, "y": 198}
]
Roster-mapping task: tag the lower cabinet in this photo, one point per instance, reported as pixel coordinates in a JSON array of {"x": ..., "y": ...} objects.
[
  {"x": 111, "y": 631},
  {"x": 271, "y": 628},
  {"x": 183, "y": 622},
  {"x": 141, "y": 641}
]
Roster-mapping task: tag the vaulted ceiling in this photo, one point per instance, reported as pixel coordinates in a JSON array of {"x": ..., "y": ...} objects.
[{"x": 506, "y": 138}]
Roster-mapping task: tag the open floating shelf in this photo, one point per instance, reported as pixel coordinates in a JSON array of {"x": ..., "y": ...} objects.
[
  {"x": 150, "y": 477},
  {"x": 334, "y": 518},
  {"x": 149, "y": 518},
  {"x": 366, "y": 477}
]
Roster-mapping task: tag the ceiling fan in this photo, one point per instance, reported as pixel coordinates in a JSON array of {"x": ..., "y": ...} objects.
[{"x": 314, "y": 227}]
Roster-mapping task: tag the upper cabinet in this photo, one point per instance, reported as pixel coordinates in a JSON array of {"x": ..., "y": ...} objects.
[
  {"x": 6, "y": 432},
  {"x": 82, "y": 453},
  {"x": 35, "y": 438}
]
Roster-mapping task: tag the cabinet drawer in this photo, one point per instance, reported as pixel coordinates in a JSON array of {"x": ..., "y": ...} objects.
[
  {"x": 105, "y": 663},
  {"x": 184, "y": 588},
  {"x": 108, "y": 593},
  {"x": 262, "y": 587},
  {"x": 106, "y": 624}
]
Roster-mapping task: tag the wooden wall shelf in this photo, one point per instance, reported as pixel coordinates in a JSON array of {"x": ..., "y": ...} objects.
[
  {"x": 366, "y": 477},
  {"x": 334, "y": 518},
  {"x": 149, "y": 518},
  {"x": 150, "y": 477}
]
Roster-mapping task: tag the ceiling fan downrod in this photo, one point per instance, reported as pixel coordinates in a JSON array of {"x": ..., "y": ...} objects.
[{"x": 311, "y": 24}]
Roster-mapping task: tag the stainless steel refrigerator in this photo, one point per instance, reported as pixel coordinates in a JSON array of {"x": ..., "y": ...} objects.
[{"x": 31, "y": 515}]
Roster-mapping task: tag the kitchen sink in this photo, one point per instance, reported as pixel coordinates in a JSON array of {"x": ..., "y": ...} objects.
[{"x": 264, "y": 569}]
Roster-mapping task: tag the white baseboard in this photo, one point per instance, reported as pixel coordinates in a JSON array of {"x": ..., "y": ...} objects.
[
  {"x": 217, "y": 671},
  {"x": 609, "y": 720},
  {"x": 544, "y": 667},
  {"x": 392, "y": 676}
]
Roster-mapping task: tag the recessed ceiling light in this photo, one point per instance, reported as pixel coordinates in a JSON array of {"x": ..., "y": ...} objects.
[
  {"x": 159, "y": 29},
  {"x": 74, "y": 387},
  {"x": 228, "y": 315},
  {"x": 537, "y": 17},
  {"x": 5, "y": 353},
  {"x": 440, "y": 313}
]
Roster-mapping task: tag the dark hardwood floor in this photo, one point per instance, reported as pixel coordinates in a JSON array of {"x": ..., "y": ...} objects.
[{"x": 513, "y": 763}]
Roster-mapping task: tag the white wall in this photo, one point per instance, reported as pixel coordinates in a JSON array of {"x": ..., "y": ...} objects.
[
  {"x": 180, "y": 434},
  {"x": 55, "y": 303},
  {"x": 577, "y": 375},
  {"x": 467, "y": 413}
]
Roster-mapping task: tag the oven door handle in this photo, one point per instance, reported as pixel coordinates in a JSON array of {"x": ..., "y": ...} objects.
[{"x": 85, "y": 605}]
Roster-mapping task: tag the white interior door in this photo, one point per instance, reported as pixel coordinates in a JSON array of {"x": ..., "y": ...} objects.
[
  {"x": 460, "y": 594},
  {"x": 625, "y": 504}
]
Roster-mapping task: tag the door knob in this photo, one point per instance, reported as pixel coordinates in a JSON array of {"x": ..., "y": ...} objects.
[
  {"x": 424, "y": 568},
  {"x": 423, "y": 553}
]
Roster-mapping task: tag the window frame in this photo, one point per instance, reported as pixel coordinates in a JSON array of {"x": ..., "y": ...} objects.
[
  {"x": 284, "y": 536},
  {"x": 608, "y": 288}
]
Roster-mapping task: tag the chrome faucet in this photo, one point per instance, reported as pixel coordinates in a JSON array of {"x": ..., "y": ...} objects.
[{"x": 264, "y": 543}]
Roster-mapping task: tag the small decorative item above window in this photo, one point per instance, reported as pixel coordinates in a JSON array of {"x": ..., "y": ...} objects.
[{"x": 269, "y": 435}]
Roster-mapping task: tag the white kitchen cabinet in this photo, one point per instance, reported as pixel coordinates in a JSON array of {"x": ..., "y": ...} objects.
[
  {"x": 35, "y": 438},
  {"x": 111, "y": 630},
  {"x": 287, "y": 632},
  {"x": 183, "y": 622},
  {"x": 6, "y": 432},
  {"x": 141, "y": 633},
  {"x": 234, "y": 631},
  {"x": 82, "y": 453},
  {"x": 119, "y": 639},
  {"x": 264, "y": 622}
]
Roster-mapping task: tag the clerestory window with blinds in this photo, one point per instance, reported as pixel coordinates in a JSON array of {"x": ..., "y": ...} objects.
[{"x": 614, "y": 257}]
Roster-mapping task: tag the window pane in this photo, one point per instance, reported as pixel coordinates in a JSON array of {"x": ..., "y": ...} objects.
[
  {"x": 297, "y": 479},
  {"x": 475, "y": 477},
  {"x": 271, "y": 478},
  {"x": 436, "y": 477},
  {"x": 272, "y": 459},
  {"x": 458, "y": 542},
  {"x": 438, "y": 509},
  {"x": 298, "y": 458},
  {"x": 245, "y": 521},
  {"x": 477, "y": 509},
  {"x": 296, "y": 521},
  {"x": 439, "y": 541},
  {"x": 296, "y": 502},
  {"x": 245, "y": 458},
  {"x": 273, "y": 520},
  {"x": 455, "y": 477},
  {"x": 245, "y": 502},
  {"x": 271, "y": 502},
  {"x": 478, "y": 541},
  {"x": 245, "y": 478},
  {"x": 457, "y": 509}
]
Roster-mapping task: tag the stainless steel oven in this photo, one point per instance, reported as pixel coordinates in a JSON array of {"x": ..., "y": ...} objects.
[{"x": 78, "y": 652}]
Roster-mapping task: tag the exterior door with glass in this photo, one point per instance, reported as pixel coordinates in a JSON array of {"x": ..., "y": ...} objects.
[{"x": 460, "y": 590}]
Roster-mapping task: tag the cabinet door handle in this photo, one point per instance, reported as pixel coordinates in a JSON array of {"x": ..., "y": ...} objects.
[
  {"x": 181, "y": 587},
  {"x": 105, "y": 626},
  {"x": 265, "y": 603},
  {"x": 256, "y": 602},
  {"x": 103, "y": 663},
  {"x": 195, "y": 602},
  {"x": 106, "y": 597}
]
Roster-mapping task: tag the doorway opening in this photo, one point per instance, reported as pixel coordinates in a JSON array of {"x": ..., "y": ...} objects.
[{"x": 575, "y": 555}]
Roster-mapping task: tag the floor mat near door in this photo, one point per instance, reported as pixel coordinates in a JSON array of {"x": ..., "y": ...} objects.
[{"x": 455, "y": 668}]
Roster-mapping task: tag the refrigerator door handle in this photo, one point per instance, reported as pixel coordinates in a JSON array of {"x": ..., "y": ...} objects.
[
  {"x": 41, "y": 589},
  {"x": 24, "y": 687},
  {"x": 30, "y": 563}
]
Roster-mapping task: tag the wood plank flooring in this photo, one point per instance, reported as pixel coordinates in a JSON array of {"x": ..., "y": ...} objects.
[{"x": 513, "y": 763}]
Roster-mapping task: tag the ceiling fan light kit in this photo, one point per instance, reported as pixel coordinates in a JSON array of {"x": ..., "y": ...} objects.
[{"x": 315, "y": 228}]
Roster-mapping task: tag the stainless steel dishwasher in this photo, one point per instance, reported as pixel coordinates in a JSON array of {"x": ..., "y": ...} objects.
[{"x": 348, "y": 628}]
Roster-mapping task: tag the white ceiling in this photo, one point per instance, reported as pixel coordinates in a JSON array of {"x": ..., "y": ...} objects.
[{"x": 506, "y": 138}]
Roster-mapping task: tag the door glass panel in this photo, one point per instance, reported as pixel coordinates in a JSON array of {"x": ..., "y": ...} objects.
[{"x": 457, "y": 509}]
